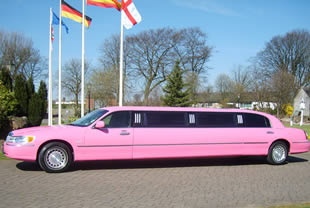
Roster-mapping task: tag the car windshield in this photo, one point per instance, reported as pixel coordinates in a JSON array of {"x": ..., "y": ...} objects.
[{"x": 89, "y": 118}]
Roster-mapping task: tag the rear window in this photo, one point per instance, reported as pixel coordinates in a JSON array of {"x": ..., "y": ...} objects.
[
  {"x": 216, "y": 119},
  {"x": 164, "y": 119},
  {"x": 254, "y": 120}
]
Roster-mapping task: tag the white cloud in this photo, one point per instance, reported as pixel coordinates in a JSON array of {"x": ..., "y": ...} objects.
[{"x": 209, "y": 6}]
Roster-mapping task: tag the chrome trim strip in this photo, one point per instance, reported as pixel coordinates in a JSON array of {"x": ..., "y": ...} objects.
[
  {"x": 141, "y": 145},
  {"x": 185, "y": 144},
  {"x": 301, "y": 142},
  {"x": 19, "y": 145},
  {"x": 105, "y": 145},
  {"x": 255, "y": 143}
]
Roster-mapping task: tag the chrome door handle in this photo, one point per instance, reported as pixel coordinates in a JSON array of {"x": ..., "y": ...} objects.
[
  {"x": 270, "y": 132},
  {"x": 124, "y": 133}
]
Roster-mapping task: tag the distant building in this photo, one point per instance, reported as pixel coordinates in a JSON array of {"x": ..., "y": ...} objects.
[
  {"x": 213, "y": 100},
  {"x": 67, "y": 102},
  {"x": 302, "y": 95},
  {"x": 90, "y": 104}
]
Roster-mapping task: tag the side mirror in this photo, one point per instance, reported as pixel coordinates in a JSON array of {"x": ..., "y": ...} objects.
[{"x": 99, "y": 125}]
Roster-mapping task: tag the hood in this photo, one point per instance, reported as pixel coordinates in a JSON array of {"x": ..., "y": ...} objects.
[{"x": 41, "y": 130}]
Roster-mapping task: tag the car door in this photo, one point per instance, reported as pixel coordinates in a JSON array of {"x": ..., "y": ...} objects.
[
  {"x": 258, "y": 134},
  {"x": 181, "y": 134},
  {"x": 114, "y": 141}
]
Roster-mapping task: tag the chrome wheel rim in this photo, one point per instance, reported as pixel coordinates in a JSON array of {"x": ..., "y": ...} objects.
[
  {"x": 279, "y": 154},
  {"x": 56, "y": 158}
]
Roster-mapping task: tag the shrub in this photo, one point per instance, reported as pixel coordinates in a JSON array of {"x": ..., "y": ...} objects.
[
  {"x": 8, "y": 105},
  {"x": 288, "y": 109}
]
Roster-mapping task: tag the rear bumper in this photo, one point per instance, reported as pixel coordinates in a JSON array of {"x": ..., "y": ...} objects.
[
  {"x": 300, "y": 147},
  {"x": 19, "y": 152}
]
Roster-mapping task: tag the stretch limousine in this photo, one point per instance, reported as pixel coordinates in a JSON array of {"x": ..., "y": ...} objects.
[{"x": 118, "y": 133}]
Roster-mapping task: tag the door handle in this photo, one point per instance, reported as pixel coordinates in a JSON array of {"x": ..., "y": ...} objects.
[
  {"x": 124, "y": 133},
  {"x": 270, "y": 132}
]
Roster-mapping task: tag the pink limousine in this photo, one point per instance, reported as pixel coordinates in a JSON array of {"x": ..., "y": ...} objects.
[{"x": 118, "y": 133}]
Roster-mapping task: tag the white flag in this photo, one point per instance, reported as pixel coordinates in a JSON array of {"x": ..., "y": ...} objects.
[{"x": 130, "y": 14}]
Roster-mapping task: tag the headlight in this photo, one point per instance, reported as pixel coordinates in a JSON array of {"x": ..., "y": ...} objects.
[{"x": 20, "y": 139}]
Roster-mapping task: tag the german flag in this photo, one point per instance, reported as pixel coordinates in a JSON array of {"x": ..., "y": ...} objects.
[
  {"x": 105, "y": 3},
  {"x": 71, "y": 13}
]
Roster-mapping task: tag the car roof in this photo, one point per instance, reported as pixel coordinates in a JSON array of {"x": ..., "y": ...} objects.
[{"x": 273, "y": 120}]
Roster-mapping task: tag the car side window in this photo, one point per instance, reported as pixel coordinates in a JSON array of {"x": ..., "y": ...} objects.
[
  {"x": 216, "y": 119},
  {"x": 165, "y": 119},
  {"x": 119, "y": 119},
  {"x": 254, "y": 120}
]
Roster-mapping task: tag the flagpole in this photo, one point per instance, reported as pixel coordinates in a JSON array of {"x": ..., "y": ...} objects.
[
  {"x": 120, "y": 99},
  {"x": 59, "y": 66},
  {"x": 83, "y": 56},
  {"x": 50, "y": 95}
]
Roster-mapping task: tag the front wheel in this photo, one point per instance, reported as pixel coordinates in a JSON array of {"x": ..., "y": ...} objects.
[
  {"x": 278, "y": 153},
  {"x": 55, "y": 157}
]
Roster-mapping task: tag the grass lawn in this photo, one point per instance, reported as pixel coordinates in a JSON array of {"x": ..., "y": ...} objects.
[
  {"x": 304, "y": 127},
  {"x": 2, "y": 157}
]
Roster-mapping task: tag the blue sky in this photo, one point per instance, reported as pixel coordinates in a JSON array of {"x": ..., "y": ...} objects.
[{"x": 237, "y": 29}]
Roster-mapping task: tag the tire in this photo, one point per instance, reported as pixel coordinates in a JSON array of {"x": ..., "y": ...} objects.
[
  {"x": 278, "y": 153},
  {"x": 55, "y": 157}
]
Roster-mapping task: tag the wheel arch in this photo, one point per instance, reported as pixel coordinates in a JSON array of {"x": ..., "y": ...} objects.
[
  {"x": 56, "y": 140},
  {"x": 282, "y": 140}
]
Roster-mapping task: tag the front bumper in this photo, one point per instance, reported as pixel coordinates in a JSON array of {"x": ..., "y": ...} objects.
[{"x": 26, "y": 152}]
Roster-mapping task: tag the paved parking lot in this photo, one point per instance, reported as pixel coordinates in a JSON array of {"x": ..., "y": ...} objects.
[{"x": 232, "y": 182}]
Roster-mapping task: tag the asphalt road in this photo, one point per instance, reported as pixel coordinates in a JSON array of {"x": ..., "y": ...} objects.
[{"x": 224, "y": 182}]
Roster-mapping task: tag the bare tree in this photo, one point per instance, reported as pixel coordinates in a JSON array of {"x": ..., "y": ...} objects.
[
  {"x": 72, "y": 78},
  {"x": 193, "y": 53},
  {"x": 241, "y": 83},
  {"x": 153, "y": 53},
  {"x": 110, "y": 61},
  {"x": 193, "y": 50},
  {"x": 289, "y": 53},
  {"x": 234, "y": 87},
  {"x": 150, "y": 56},
  {"x": 282, "y": 84},
  {"x": 105, "y": 87},
  {"x": 261, "y": 88},
  {"x": 18, "y": 52},
  {"x": 110, "y": 52},
  {"x": 223, "y": 85}
]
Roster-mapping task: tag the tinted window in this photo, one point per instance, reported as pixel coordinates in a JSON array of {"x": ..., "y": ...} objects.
[
  {"x": 164, "y": 119},
  {"x": 117, "y": 120},
  {"x": 215, "y": 119},
  {"x": 254, "y": 120}
]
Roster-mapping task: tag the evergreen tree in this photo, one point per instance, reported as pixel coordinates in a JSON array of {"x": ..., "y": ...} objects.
[
  {"x": 42, "y": 92},
  {"x": 30, "y": 87},
  {"x": 6, "y": 79},
  {"x": 21, "y": 94},
  {"x": 175, "y": 92},
  {"x": 35, "y": 113}
]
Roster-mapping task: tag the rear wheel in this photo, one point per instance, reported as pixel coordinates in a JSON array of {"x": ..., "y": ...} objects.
[
  {"x": 278, "y": 153},
  {"x": 55, "y": 157}
]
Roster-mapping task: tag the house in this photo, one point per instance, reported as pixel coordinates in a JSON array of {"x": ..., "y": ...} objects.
[{"x": 303, "y": 95}]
